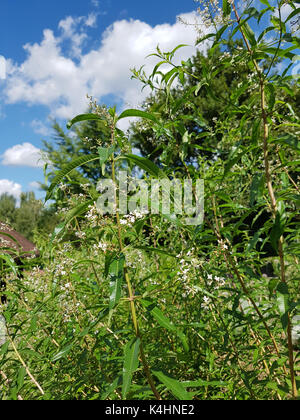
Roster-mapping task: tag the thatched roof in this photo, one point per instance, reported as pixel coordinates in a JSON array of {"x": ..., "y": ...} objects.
[{"x": 12, "y": 242}]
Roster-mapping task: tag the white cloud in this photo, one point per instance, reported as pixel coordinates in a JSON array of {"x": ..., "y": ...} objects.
[
  {"x": 2, "y": 67},
  {"x": 40, "y": 128},
  {"x": 91, "y": 20},
  {"x": 11, "y": 188},
  {"x": 23, "y": 155},
  {"x": 60, "y": 80},
  {"x": 35, "y": 185}
]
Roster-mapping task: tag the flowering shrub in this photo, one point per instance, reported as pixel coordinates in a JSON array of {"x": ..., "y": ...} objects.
[{"x": 142, "y": 305}]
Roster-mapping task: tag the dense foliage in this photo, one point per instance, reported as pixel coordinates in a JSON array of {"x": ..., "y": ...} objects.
[
  {"x": 29, "y": 216},
  {"x": 143, "y": 305}
]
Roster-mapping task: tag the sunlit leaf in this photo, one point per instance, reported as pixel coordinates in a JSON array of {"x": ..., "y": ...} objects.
[{"x": 131, "y": 363}]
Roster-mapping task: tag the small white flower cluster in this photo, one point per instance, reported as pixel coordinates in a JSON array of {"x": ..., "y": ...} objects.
[
  {"x": 130, "y": 218},
  {"x": 64, "y": 267},
  {"x": 215, "y": 281},
  {"x": 85, "y": 186},
  {"x": 134, "y": 258},
  {"x": 187, "y": 272},
  {"x": 223, "y": 246},
  {"x": 35, "y": 281},
  {"x": 93, "y": 216},
  {"x": 101, "y": 245},
  {"x": 205, "y": 303},
  {"x": 80, "y": 234},
  {"x": 211, "y": 13},
  {"x": 63, "y": 187},
  {"x": 225, "y": 55}
]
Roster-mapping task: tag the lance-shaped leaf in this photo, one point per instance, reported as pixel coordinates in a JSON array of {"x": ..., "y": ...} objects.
[
  {"x": 63, "y": 352},
  {"x": 82, "y": 160},
  {"x": 174, "y": 386},
  {"x": 145, "y": 164},
  {"x": 139, "y": 114},
  {"x": 277, "y": 230},
  {"x": 166, "y": 323},
  {"x": 85, "y": 117},
  {"x": 131, "y": 363},
  {"x": 104, "y": 154},
  {"x": 75, "y": 212},
  {"x": 226, "y": 8},
  {"x": 10, "y": 261},
  {"x": 116, "y": 276}
]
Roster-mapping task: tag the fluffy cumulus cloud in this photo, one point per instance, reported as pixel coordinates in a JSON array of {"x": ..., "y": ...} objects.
[
  {"x": 58, "y": 74},
  {"x": 11, "y": 188},
  {"x": 25, "y": 154}
]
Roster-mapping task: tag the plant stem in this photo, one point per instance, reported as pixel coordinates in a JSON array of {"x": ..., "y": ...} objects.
[
  {"x": 271, "y": 191},
  {"x": 129, "y": 286},
  {"x": 24, "y": 365}
]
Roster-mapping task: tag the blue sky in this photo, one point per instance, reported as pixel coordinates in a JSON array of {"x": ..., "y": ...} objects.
[{"x": 56, "y": 52}]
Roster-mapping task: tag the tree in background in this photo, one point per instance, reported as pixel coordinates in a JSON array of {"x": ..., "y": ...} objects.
[
  {"x": 195, "y": 106},
  {"x": 29, "y": 216},
  {"x": 7, "y": 208},
  {"x": 81, "y": 140}
]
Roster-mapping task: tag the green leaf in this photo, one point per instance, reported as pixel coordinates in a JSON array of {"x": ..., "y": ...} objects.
[
  {"x": 62, "y": 353},
  {"x": 104, "y": 155},
  {"x": 75, "y": 212},
  {"x": 256, "y": 188},
  {"x": 174, "y": 386},
  {"x": 156, "y": 250},
  {"x": 226, "y": 8},
  {"x": 67, "y": 170},
  {"x": 277, "y": 230},
  {"x": 162, "y": 319},
  {"x": 116, "y": 275},
  {"x": 233, "y": 158},
  {"x": 292, "y": 14},
  {"x": 199, "y": 40},
  {"x": 111, "y": 388},
  {"x": 20, "y": 378},
  {"x": 249, "y": 34},
  {"x": 290, "y": 140},
  {"x": 139, "y": 114},
  {"x": 278, "y": 24},
  {"x": 166, "y": 323},
  {"x": 144, "y": 164},
  {"x": 272, "y": 286},
  {"x": 201, "y": 382},
  {"x": 10, "y": 261},
  {"x": 131, "y": 363},
  {"x": 271, "y": 95},
  {"x": 265, "y": 2},
  {"x": 85, "y": 117},
  {"x": 282, "y": 298}
]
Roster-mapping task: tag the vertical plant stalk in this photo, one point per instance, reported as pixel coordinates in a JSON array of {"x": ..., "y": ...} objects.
[
  {"x": 280, "y": 241},
  {"x": 24, "y": 365},
  {"x": 272, "y": 197},
  {"x": 129, "y": 285},
  {"x": 230, "y": 263}
]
